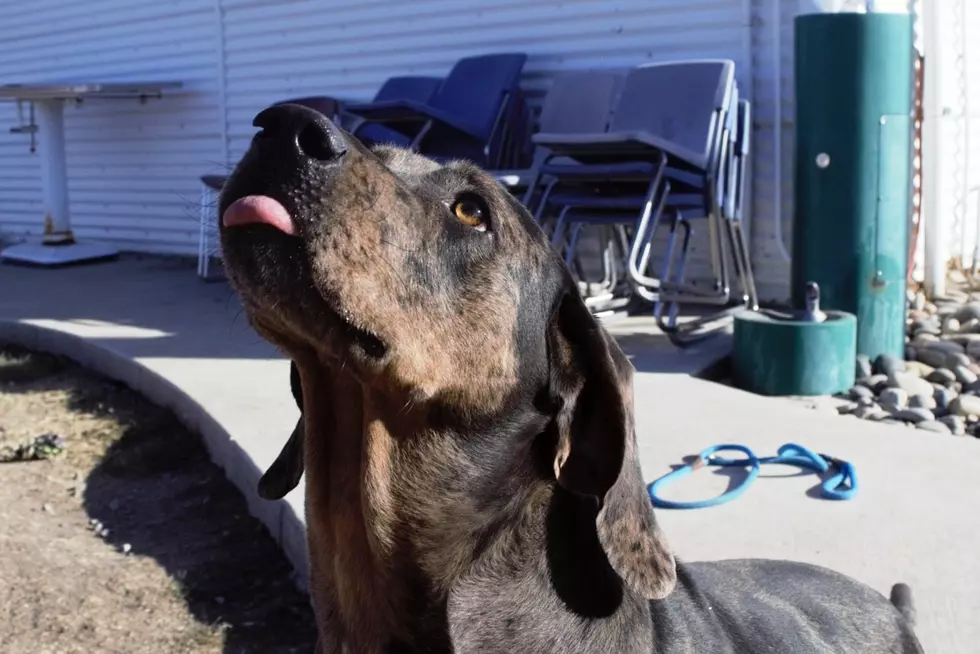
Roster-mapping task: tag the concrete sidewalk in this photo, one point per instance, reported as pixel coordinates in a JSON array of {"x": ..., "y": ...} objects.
[{"x": 152, "y": 324}]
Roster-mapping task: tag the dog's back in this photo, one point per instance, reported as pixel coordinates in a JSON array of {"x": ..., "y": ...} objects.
[{"x": 757, "y": 605}]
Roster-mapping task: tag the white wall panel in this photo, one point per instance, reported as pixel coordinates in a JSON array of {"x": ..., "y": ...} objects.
[{"x": 132, "y": 168}]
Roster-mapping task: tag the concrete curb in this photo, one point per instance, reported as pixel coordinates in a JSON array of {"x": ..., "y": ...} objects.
[{"x": 279, "y": 517}]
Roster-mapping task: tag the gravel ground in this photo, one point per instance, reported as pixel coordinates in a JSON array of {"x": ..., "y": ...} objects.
[
  {"x": 935, "y": 387},
  {"x": 129, "y": 540}
]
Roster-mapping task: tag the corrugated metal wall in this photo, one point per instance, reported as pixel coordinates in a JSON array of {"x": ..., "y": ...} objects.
[
  {"x": 132, "y": 168},
  {"x": 772, "y": 49}
]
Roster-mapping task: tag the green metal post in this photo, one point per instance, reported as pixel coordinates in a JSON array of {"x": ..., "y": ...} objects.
[{"x": 853, "y": 170}]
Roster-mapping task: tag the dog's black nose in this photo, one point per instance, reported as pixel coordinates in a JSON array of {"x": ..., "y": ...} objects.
[{"x": 310, "y": 132}]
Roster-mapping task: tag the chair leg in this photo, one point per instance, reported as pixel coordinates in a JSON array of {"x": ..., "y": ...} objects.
[
  {"x": 572, "y": 245},
  {"x": 747, "y": 278},
  {"x": 649, "y": 220},
  {"x": 667, "y": 273},
  {"x": 203, "y": 245},
  {"x": 559, "y": 228},
  {"x": 543, "y": 201}
]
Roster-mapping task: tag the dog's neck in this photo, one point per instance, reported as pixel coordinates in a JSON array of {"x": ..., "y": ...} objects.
[{"x": 402, "y": 535}]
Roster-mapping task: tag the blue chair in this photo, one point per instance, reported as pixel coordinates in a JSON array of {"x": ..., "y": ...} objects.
[
  {"x": 414, "y": 88},
  {"x": 464, "y": 118}
]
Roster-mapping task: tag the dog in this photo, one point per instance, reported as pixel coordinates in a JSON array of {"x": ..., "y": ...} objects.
[{"x": 467, "y": 434}]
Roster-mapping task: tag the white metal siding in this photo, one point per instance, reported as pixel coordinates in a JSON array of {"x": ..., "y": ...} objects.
[
  {"x": 959, "y": 23},
  {"x": 274, "y": 50},
  {"x": 132, "y": 169},
  {"x": 772, "y": 50}
]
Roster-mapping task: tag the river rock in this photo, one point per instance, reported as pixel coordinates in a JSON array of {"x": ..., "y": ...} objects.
[
  {"x": 862, "y": 367},
  {"x": 965, "y": 405},
  {"x": 931, "y": 326},
  {"x": 933, "y": 426},
  {"x": 918, "y": 368},
  {"x": 894, "y": 398},
  {"x": 950, "y": 325},
  {"x": 970, "y": 326},
  {"x": 954, "y": 359},
  {"x": 973, "y": 349},
  {"x": 943, "y": 396},
  {"x": 933, "y": 357},
  {"x": 969, "y": 311},
  {"x": 858, "y": 393},
  {"x": 875, "y": 382},
  {"x": 956, "y": 424},
  {"x": 922, "y": 402},
  {"x": 949, "y": 345},
  {"x": 922, "y": 339},
  {"x": 942, "y": 376},
  {"x": 915, "y": 416},
  {"x": 886, "y": 364},
  {"x": 909, "y": 383},
  {"x": 965, "y": 376}
]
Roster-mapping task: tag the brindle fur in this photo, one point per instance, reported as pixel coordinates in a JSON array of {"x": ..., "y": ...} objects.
[{"x": 467, "y": 433}]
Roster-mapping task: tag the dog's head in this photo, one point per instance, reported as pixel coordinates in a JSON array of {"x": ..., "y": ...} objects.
[{"x": 434, "y": 288}]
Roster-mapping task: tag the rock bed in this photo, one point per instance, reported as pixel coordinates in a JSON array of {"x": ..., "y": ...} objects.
[{"x": 937, "y": 386}]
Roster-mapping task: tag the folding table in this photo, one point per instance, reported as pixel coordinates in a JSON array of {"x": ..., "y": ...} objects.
[{"x": 46, "y": 117}]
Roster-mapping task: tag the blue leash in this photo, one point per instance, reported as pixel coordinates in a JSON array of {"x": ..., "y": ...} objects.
[{"x": 840, "y": 486}]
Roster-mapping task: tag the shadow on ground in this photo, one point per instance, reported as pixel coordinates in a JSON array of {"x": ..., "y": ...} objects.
[{"x": 159, "y": 495}]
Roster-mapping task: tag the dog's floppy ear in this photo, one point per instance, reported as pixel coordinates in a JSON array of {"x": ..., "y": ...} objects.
[
  {"x": 592, "y": 380},
  {"x": 285, "y": 472}
]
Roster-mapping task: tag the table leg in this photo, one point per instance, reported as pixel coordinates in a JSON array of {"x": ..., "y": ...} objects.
[{"x": 50, "y": 117}]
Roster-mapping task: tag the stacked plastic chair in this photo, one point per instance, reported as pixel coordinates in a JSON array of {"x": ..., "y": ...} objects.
[
  {"x": 467, "y": 115},
  {"x": 675, "y": 150}
]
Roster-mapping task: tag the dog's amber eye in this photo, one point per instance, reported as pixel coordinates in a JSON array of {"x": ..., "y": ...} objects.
[{"x": 469, "y": 212}]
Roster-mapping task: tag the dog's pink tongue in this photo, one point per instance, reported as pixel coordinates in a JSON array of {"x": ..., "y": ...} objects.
[{"x": 259, "y": 209}]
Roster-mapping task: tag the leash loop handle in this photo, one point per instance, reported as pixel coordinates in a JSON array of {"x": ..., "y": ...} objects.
[{"x": 840, "y": 486}]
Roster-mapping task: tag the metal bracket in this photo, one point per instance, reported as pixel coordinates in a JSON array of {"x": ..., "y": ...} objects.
[{"x": 29, "y": 128}]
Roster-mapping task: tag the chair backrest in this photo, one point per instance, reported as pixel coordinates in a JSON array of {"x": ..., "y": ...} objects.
[
  {"x": 580, "y": 102},
  {"x": 417, "y": 88},
  {"x": 681, "y": 101},
  {"x": 476, "y": 86}
]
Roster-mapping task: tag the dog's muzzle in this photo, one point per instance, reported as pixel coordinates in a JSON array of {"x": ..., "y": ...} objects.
[{"x": 296, "y": 144}]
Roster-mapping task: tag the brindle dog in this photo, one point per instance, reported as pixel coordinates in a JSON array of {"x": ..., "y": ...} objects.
[{"x": 467, "y": 431}]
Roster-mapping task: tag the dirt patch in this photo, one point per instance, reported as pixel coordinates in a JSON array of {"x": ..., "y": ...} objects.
[{"x": 131, "y": 540}]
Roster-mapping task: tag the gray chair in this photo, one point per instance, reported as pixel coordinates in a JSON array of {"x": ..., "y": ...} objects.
[
  {"x": 578, "y": 102},
  {"x": 677, "y": 120}
]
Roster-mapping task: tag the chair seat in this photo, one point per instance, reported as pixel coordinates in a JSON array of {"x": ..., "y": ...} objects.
[
  {"x": 408, "y": 111},
  {"x": 613, "y": 144},
  {"x": 682, "y": 201},
  {"x": 618, "y": 170}
]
